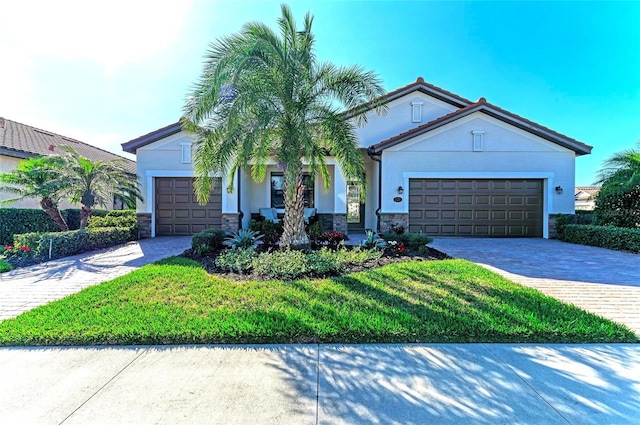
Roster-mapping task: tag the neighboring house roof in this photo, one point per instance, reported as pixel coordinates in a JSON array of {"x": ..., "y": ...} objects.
[
  {"x": 24, "y": 141},
  {"x": 483, "y": 106},
  {"x": 585, "y": 193},
  {"x": 466, "y": 107}
]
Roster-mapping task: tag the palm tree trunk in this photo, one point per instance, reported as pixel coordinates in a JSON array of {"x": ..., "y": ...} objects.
[
  {"x": 85, "y": 213},
  {"x": 294, "y": 234},
  {"x": 51, "y": 208}
]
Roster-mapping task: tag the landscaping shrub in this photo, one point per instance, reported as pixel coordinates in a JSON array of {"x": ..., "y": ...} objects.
[
  {"x": 415, "y": 241},
  {"x": 270, "y": 231},
  {"x": 333, "y": 238},
  {"x": 5, "y": 266},
  {"x": 357, "y": 256},
  {"x": 618, "y": 205},
  {"x": 617, "y": 238},
  {"x": 287, "y": 264},
  {"x": 242, "y": 239},
  {"x": 324, "y": 262},
  {"x": 124, "y": 218},
  {"x": 315, "y": 232},
  {"x": 373, "y": 241},
  {"x": 72, "y": 242},
  {"x": 208, "y": 241},
  {"x": 14, "y": 221},
  {"x": 72, "y": 216},
  {"x": 236, "y": 261}
]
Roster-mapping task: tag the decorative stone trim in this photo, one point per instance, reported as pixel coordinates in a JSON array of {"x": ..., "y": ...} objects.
[
  {"x": 387, "y": 219},
  {"x": 552, "y": 226},
  {"x": 340, "y": 223},
  {"x": 230, "y": 222},
  {"x": 144, "y": 225}
]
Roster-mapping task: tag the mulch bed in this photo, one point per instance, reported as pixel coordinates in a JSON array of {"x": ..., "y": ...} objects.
[{"x": 209, "y": 263}]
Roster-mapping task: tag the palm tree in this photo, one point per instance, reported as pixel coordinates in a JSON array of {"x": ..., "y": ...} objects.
[
  {"x": 37, "y": 178},
  {"x": 623, "y": 167},
  {"x": 92, "y": 183},
  {"x": 264, "y": 96}
]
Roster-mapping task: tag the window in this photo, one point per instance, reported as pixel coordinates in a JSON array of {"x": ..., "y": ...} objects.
[
  {"x": 277, "y": 190},
  {"x": 478, "y": 140},
  {"x": 186, "y": 152},
  {"x": 416, "y": 111}
]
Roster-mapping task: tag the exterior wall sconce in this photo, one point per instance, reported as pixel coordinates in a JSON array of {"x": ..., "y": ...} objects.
[
  {"x": 400, "y": 190},
  {"x": 559, "y": 190}
]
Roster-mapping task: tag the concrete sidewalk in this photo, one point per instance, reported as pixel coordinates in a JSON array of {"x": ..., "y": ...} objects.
[
  {"x": 26, "y": 288},
  {"x": 325, "y": 384}
]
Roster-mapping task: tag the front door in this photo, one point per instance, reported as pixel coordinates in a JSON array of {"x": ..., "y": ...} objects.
[{"x": 355, "y": 208}]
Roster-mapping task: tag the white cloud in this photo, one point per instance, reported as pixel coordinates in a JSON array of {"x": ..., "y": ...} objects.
[{"x": 112, "y": 33}]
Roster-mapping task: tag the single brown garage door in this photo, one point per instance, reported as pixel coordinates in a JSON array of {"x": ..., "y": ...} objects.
[
  {"x": 465, "y": 207},
  {"x": 178, "y": 211}
]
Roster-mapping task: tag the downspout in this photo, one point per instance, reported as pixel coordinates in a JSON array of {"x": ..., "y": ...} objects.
[
  {"x": 240, "y": 213},
  {"x": 377, "y": 158}
]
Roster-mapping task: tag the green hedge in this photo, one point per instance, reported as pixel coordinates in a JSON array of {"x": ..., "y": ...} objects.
[
  {"x": 72, "y": 242},
  {"x": 23, "y": 220},
  {"x": 14, "y": 221},
  {"x": 124, "y": 218},
  {"x": 414, "y": 241},
  {"x": 618, "y": 238}
]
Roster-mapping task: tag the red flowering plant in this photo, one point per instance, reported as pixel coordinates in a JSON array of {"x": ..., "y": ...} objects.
[
  {"x": 16, "y": 251},
  {"x": 333, "y": 238},
  {"x": 397, "y": 248}
]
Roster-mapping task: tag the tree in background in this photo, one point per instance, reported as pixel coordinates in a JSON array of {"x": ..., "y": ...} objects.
[
  {"x": 618, "y": 202},
  {"x": 37, "y": 178},
  {"x": 263, "y": 97},
  {"x": 92, "y": 183}
]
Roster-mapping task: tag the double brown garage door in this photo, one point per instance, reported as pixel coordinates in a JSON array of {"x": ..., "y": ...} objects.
[
  {"x": 482, "y": 207},
  {"x": 178, "y": 211}
]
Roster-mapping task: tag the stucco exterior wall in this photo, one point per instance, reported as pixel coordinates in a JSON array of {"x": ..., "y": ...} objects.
[
  {"x": 399, "y": 118},
  {"x": 507, "y": 153},
  {"x": 9, "y": 163}
]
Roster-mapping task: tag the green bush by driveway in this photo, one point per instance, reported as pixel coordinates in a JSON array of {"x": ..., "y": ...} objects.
[{"x": 618, "y": 238}]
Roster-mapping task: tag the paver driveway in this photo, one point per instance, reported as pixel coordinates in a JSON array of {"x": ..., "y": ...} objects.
[
  {"x": 30, "y": 287},
  {"x": 599, "y": 280}
]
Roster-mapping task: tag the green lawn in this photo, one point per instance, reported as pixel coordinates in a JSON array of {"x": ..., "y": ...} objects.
[{"x": 176, "y": 301}]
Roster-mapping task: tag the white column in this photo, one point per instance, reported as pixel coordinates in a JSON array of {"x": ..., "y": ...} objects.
[{"x": 339, "y": 191}]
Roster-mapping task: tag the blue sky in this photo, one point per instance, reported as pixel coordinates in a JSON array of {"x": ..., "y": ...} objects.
[{"x": 107, "y": 72}]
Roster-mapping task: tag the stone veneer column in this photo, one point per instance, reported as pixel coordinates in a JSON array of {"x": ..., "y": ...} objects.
[
  {"x": 552, "y": 226},
  {"x": 230, "y": 222},
  {"x": 144, "y": 225},
  {"x": 340, "y": 223},
  {"x": 399, "y": 219}
]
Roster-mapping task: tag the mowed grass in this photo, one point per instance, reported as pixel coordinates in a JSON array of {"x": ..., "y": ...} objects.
[{"x": 175, "y": 301}]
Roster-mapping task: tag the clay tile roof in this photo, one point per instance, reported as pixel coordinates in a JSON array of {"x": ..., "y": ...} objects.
[
  {"x": 24, "y": 141},
  {"x": 590, "y": 190},
  {"x": 485, "y": 107}
]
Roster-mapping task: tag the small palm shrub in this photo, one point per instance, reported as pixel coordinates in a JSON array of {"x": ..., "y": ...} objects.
[
  {"x": 243, "y": 239},
  {"x": 373, "y": 241},
  {"x": 236, "y": 260}
]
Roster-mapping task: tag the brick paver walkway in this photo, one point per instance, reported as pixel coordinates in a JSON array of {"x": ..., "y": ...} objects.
[
  {"x": 30, "y": 287},
  {"x": 599, "y": 280}
]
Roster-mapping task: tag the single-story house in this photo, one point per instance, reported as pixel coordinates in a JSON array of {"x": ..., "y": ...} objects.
[
  {"x": 19, "y": 142},
  {"x": 436, "y": 163},
  {"x": 585, "y": 197}
]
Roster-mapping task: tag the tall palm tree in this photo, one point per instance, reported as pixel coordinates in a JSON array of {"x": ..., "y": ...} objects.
[
  {"x": 37, "y": 178},
  {"x": 264, "y": 96},
  {"x": 92, "y": 183}
]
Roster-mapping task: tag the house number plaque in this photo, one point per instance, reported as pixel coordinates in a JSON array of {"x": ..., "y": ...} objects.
[{"x": 397, "y": 199}]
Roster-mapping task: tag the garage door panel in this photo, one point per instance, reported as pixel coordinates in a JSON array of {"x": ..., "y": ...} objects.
[
  {"x": 177, "y": 209},
  {"x": 482, "y": 207}
]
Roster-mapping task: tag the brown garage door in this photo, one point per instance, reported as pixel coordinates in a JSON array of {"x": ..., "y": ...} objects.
[
  {"x": 178, "y": 211},
  {"x": 465, "y": 207}
]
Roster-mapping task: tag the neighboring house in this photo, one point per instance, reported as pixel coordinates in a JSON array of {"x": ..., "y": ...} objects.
[
  {"x": 20, "y": 141},
  {"x": 585, "y": 197},
  {"x": 436, "y": 163}
]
